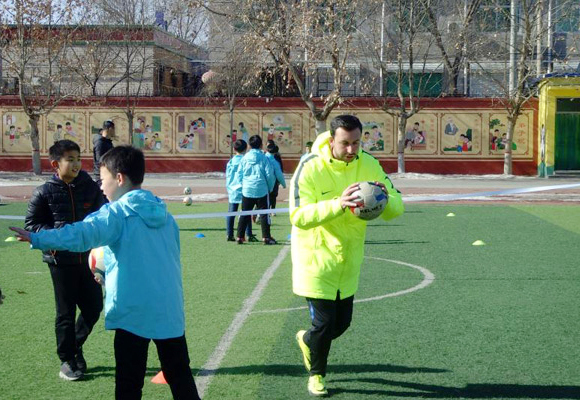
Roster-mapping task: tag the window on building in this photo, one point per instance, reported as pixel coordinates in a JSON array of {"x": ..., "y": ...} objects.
[
  {"x": 493, "y": 16},
  {"x": 325, "y": 81},
  {"x": 568, "y": 17},
  {"x": 424, "y": 85}
]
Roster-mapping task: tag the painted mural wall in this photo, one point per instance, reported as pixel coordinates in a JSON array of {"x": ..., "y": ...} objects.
[{"x": 201, "y": 132}]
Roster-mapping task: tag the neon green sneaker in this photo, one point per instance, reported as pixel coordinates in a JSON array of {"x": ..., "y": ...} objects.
[
  {"x": 304, "y": 348},
  {"x": 316, "y": 386}
]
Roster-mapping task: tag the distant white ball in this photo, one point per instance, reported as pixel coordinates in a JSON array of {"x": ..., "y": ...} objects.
[
  {"x": 97, "y": 264},
  {"x": 187, "y": 201},
  {"x": 187, "y": 190},
  {"x": 371, "y": 201}
]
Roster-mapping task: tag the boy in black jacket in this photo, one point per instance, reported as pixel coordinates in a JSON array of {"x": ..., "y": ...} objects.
[
  {"x": 102, "y": 143},
  {"x": 69, "y": 196}
]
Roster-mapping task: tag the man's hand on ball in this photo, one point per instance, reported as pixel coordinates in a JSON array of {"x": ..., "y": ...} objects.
[{"x": 347, "y": 197}]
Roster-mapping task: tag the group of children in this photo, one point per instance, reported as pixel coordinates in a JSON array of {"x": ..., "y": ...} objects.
[
  {"x": 67, "y": 216},
  {"x": 252, "y": 180}
]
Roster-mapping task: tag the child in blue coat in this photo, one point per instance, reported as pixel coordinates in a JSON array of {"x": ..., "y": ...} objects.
[
  {"x": 234, "y": 188},
  {"x": 144, "y": 293}
]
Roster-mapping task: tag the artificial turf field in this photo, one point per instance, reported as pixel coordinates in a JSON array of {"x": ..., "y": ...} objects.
[{"x": 500, "y": 321}]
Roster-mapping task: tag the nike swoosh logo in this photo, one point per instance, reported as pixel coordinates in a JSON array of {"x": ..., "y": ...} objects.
[{"x": 323, "y": 193}]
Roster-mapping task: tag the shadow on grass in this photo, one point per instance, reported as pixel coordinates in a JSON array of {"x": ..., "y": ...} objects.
[
  {"x": 470, "y": 391},
  {"x": 298, "y": 370},
  {"x": 105, "y": 372},
  {"x": 395, "y": 241}
]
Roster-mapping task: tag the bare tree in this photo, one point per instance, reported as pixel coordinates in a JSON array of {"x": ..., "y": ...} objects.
[
  {"x": 302, "y": 40},
  {"x": 135, "y": 62},
  {"x": 231, "y": 79},
  {"x": 93, "y": 56},
  {"x": 520, "y": 47},
  {"x": 451, "y": 37},
  {"x": 32, "y": 49},
  {"x": 401, "y": 59},
  {"x": 185, "y": 20}
]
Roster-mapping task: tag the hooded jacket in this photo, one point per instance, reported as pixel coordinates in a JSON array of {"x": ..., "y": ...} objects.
[
  {"x": 256, "y": 174},
  {"x": 327, "y": 241},
  {"x": 55, "y": 204},
  {"x": 233, "y": 183},
  {"x": 144, "y": 293}
]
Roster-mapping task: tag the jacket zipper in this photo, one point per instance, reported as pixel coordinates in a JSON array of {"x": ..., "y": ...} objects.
[{"x": 74, "y": 218}]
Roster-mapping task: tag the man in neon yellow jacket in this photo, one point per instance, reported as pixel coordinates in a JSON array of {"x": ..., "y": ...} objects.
[{"x": 328, "y": 240}]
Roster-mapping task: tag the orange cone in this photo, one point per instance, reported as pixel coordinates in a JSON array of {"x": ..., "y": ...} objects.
[{"x": 159, "y": 378}]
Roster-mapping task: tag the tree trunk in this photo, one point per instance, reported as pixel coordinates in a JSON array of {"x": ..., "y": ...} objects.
[
  {"x": 452, "y": 77},
  {"x": 507, "y": 155},
  {"x": 35, "y": 139},
  {"x": 401, "y": 143},
  {"x": 320, "y": 126},
  {"x": 231, "y": 129},
  {"x": 130, "y": 118}
]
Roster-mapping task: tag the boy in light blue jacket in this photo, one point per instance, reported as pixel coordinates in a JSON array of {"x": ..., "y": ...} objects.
[
  {"x": 234, "y": 188},
  {"x": 144, "y": 293},
  {"x": 257, "y": 177}
]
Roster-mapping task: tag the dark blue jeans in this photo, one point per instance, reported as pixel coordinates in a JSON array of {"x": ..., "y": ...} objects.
[{"x": 233, "y": 207}]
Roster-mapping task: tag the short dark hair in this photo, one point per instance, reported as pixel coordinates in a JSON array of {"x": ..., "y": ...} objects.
[
  {"x": 126, "y": 160},
  {"x": 309, "y": 144},
  {"x": 271, "y": 147},
  {"x": 347, "y": 122},
  {"x": 108, "y": 124},
  {"x": 255, "y": 142},
  {"x": 57, "y": 150},
  {"x": 240, "y": 145}
]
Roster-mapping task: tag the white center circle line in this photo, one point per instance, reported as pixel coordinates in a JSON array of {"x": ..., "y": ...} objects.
[{"x": 428, "y": 278}]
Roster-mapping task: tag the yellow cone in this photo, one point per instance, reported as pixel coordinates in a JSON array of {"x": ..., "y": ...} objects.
[
  {"x": 478, "y": 243},
  {"x": 450, "y": 215},
  {"x": 11, "y": 239}
]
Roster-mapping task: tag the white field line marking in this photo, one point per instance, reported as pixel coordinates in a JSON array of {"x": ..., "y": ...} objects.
[
  {"x": 428, "y": 279},
  {"x": 212, "y": 364}
]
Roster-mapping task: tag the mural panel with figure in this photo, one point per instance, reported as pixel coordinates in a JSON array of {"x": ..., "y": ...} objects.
[
  {"x": 421, "y": 134},
  {"x": 498, "y": 133},
  {"x": 195, "y": 132},
  {"x": 96, "y": 120},
  {"x": 377, "y": 135},
  {"x": 152, "y": 131},
  {"x": 285, "y": 128},
  {"x": 66, "y": 125},
  {"x": 245, "y": 125},
  {"x": 461, "y": 134},
  {"x": 16, "y": 132}
]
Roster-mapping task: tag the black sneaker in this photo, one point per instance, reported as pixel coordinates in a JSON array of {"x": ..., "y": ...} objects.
[
  {"x": 252, "y": 238},
  {"x": 81, "y": 362},
  {"x": 231, "y": 239},
  {"x": 69, "y": 371},
  {"x": 269, "y": 240}
]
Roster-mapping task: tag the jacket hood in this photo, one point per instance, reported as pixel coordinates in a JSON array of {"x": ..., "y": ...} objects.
[
  {"x": 150, "y": 208},
  {"x": 321, "y": 147},
  {"x": 253, "y": 156}
]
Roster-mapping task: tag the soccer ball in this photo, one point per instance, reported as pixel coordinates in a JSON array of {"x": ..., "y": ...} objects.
[
  {"x": 371, "y": 201},
  {"x": 187, "y": 200},
  {"x": 187, "y": 190},
  {"x": 97, "y": 264}
]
